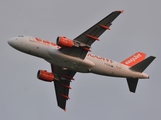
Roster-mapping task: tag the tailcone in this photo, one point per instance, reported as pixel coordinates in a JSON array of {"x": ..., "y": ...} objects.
[{"x": 145, "y": 76}]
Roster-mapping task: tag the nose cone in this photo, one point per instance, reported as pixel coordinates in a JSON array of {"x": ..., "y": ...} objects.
[{"x": 12, "y": 42}]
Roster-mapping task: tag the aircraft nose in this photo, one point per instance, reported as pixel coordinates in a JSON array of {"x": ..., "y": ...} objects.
[{"x": 12, "y": 42}]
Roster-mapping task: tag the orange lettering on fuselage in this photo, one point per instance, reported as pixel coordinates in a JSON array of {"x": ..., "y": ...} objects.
[
  {"x": 99, "y": 58},
  {"x": 93, "y": 56},
  {"x": 38, "y": 39},
  {"x": 46, "y": 42},
  {"x": 107, "y": 59},
  {"x": 53, "y": 44}
]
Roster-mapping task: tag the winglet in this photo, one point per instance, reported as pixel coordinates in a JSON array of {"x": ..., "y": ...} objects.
[{"x": 121, "y": 11}]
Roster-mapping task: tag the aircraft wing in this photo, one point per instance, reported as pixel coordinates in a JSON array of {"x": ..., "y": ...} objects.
[
  {"x": 62, "y": 85},
  {"x": 91, "y": 35}
]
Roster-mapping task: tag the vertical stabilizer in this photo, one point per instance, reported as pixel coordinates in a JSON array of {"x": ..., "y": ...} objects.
[
  {"x": 132, "y": 83},
  {"x": 134, "y": 59}
]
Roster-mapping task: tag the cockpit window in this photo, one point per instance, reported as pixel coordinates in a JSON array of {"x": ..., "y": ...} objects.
[{"x": 20, "y": 36}]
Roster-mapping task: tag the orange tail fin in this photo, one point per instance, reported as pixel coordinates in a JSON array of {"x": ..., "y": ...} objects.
[{"x": 134, "y": 59}]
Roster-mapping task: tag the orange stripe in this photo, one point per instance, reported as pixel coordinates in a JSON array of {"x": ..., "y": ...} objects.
[
  {"x": 121, "y": 11},
  {"x": 69, "y": 77},
  {"x": 67, "y": 86},
  {"x": 93, "y": 37},
  {"x": 64, "y": 109},
  {"x": 106, "y": 27},
  {"x": 65, "y": 96},
  {"x": 88, "y": 49}
]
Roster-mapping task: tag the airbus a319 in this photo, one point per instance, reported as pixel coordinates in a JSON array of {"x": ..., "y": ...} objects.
[{"x": 69, "y": 56}]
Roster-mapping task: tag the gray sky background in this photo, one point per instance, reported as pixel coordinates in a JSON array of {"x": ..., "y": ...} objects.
[{"x": 24, "y": 97}]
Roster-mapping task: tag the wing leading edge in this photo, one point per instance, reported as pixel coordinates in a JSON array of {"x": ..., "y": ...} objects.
[
  {"x": 62, "y": 85},
  {"x": 91, "y": 35}
]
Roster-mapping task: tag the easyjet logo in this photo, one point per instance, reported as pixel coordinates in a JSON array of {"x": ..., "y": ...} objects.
[
  {"x": 46, "y": 42},
  {"x": 133, "y": 59}
]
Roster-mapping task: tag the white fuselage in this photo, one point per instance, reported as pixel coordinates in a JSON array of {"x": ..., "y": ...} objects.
[{"x": 92, "y": 63}]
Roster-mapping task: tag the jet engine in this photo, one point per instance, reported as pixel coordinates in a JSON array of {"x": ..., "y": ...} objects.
[
  {"x": 64, "y": 42},
  {"x": 45, "y": 76}
]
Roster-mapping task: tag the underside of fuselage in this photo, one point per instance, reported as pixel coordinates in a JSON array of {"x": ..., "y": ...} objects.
[{"x": 66, "y": 62}]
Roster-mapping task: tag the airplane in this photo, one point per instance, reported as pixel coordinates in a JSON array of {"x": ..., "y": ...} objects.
[{"x": 68, "y": 56}]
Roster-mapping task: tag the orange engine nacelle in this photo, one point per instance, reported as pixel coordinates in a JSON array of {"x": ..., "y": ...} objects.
[
  {"x": 45, "y": 76},
  {"x": 64, "y": 42}
]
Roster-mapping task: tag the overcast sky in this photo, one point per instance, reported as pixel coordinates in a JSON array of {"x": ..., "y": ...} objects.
[{"x": 93, "y": 97}]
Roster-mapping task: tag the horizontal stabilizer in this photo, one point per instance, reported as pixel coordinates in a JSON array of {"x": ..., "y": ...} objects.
[
  {"x": 141, "y": 66},
  {"x": 132, "y": 83}
]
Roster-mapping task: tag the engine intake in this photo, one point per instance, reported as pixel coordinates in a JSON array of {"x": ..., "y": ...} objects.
[
  {"x": 64, "y": 42},
  {"x": 45, "y": 76}
]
